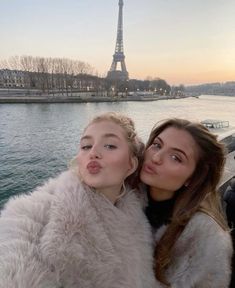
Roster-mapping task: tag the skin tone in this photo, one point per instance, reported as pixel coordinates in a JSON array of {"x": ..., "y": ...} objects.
[
  {"x": 169, "y": 163},
  {"x": 104, "y": 158}
]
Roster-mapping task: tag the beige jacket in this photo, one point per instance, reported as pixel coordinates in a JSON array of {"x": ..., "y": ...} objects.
[
  {"x": 202, "y": 255},
  {"x": 66, "y": 235}
]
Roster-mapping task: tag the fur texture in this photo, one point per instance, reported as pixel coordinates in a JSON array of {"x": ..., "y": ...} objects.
[
  {"x": 66, "y": 235},
  {"x": 202, "y": 255}
]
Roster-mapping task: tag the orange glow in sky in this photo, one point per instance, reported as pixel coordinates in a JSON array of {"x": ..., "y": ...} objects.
[{"x": 183, "y": 42}]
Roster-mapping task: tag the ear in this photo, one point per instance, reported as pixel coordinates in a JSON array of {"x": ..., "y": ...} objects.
[{"x": 133, "y": 165}]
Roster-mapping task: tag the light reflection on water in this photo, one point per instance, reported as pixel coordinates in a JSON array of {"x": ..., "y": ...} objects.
[{"x": 38, "y": 140}]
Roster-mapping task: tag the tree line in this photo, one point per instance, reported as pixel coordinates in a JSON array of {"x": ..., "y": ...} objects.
[
  {"x": 48, "y": 74},
  {"x": 62, "y": 75}
]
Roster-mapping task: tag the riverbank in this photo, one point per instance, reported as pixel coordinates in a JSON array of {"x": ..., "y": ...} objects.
[{"x": 68, "y": 99}]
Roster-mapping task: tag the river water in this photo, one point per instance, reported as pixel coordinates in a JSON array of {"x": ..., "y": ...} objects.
[{"x": 37, "y": 141}]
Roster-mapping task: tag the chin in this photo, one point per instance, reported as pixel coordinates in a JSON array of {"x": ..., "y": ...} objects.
[
  {"x": 95, "y": 185},
  {"x": 90, "y": 183},
  {"x": 145, "y": 179}
]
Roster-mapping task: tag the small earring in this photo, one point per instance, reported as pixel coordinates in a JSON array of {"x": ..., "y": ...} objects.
[
  {"x": 123, "y": 187},
  {"x": 123, "y": 191}
]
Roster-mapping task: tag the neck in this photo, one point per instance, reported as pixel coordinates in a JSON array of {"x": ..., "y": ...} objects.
[
  {"x": 111, "y": 193},
  {"x": 160, "y": 194}
]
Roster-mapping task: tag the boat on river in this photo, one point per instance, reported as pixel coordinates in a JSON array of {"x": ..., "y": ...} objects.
[{"x": 226, "y": 135}]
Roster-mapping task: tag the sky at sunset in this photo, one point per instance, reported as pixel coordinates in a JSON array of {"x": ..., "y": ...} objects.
[{"x": 181, "y": 41}]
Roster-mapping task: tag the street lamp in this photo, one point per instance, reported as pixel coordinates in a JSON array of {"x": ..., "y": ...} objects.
[{"x": 126, "y": 91}]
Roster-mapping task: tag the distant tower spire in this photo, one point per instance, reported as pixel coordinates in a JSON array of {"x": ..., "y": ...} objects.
[{"x": 118, "y": 55}]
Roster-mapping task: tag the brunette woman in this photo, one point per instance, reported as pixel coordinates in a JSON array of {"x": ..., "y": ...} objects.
[{"x": 182, "y": 168}]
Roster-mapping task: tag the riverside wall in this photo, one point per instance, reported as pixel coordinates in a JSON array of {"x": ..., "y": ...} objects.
[{"x": 77, "y": 99}]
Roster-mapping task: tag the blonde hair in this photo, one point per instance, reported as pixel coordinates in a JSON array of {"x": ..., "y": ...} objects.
[{"x": 136, "y": 146}]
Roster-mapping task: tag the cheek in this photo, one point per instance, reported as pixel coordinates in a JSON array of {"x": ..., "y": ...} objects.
[
  {"x": 147, "y": 154},
  {"x": 181, "y": 176},
  {"x": 122, "y": 163},
  {"x": 80, "y": 160}
]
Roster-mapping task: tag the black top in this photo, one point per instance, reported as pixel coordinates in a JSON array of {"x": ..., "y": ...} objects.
[{"x": 159, "y": 212}]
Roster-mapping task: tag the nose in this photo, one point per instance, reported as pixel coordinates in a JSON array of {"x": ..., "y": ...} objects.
[
  {"x": 157, "y": 157},
  {"x": 94, "y": 152}
]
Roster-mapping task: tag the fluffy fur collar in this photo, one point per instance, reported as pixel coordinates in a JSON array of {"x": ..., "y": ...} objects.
[{"x": 75, "y": 237}]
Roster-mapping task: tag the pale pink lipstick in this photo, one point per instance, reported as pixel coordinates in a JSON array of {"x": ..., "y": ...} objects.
[
  {"x": 93, "y": 167},
  {"x": 148, "y": 169}
]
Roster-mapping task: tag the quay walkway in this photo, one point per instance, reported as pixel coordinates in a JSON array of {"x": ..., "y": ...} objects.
[{"x": 72, "y": 99}]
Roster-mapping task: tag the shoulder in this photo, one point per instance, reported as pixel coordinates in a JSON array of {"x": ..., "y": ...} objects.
[
  {"x": 200, "y": 252},
  {"x": 205, "y": 241},
  {"x": 38, "y": 201},
  {"x": 203, "y": 230},
  {"x": 203, "y": 224}
]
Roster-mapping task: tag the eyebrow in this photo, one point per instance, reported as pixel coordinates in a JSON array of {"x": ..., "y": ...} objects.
[
  {"x": 106, "y": 135},
  {"x": 174, "y": 148}
]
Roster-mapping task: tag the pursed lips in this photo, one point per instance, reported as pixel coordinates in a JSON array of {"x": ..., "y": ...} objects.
[
  {"x": 149, "y": 169},
  {"x": 93, "y": 167}
]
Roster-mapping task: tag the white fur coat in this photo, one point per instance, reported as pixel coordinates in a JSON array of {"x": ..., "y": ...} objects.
[
  {"x": 202, "y": 255},
  {"x": 65, "y": 235}
]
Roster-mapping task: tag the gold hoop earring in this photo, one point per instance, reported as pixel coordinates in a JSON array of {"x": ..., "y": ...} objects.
[{"x": 123, "y": 191}]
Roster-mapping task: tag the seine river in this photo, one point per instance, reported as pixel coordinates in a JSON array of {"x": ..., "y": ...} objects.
[{"x": 37, "y": 141}]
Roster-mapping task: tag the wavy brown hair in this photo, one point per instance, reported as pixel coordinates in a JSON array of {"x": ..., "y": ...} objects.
[{"x": 200, "y": 195}]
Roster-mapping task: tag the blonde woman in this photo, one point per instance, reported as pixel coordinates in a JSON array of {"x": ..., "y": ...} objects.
[{"x": 85, "y": 228}]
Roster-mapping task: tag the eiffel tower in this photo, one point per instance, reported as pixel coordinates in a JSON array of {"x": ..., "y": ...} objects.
[{"x": 118, "y": 56}]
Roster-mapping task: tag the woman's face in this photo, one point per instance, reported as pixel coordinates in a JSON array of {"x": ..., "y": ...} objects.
[
  {"x": 104, "y": 156},
  {"x": 169, "y": 162}
]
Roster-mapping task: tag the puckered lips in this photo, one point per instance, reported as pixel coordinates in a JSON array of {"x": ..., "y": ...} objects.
[
  {"x": 93, "y": 167},
  {"x": 149, "y": 169}
]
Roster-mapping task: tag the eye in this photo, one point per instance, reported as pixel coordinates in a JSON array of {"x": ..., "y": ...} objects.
[
  {"x": 86, "y": 147},
  {"x": 110, "y": 146},
  {"x": 176, "y": 158},
  {"x": 156, "y": 145}
]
